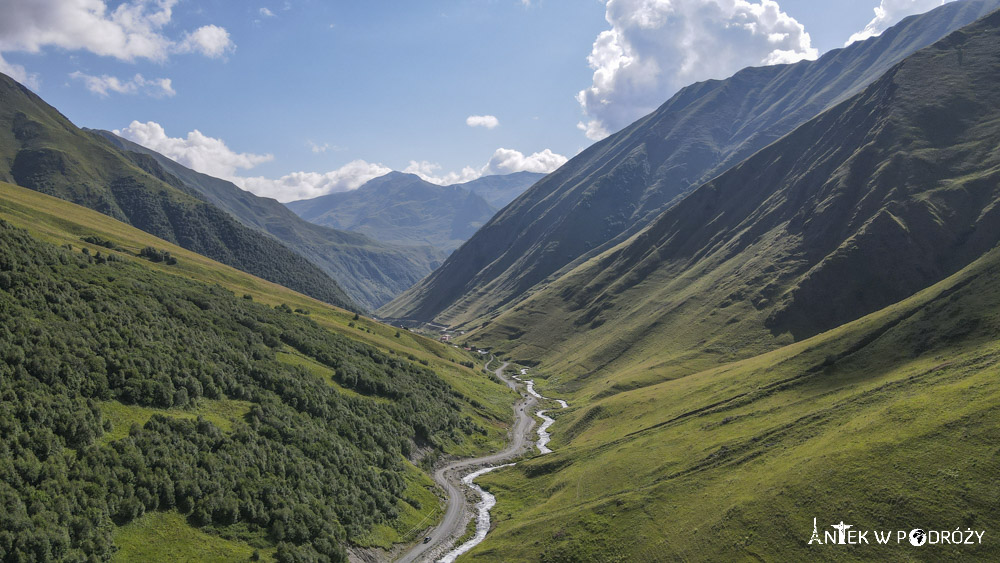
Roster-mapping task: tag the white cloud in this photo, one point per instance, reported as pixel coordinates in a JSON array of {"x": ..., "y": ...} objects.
[
  {"x": 431, "y": 172},
  {"x": 104, "y": 84},
  {"x": 487, "y": 121},
  {"x": 19, "y": 73},
  {"x": 266, "y": 13},
  {"x": 508, "y": 161},
  {"x": 127, "y": 31},
  {"x": 318, "y": 149},
  {"x": 306, "y": 185},
  {"x": 210, "y": 40},
  {"x": 197, "y": 151},
  {"x": 656, "y": 47},
  {"x": 503, "y": 161},
  {"x": 890, "y": 12}
]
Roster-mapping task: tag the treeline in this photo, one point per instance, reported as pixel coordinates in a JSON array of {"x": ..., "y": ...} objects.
[{"x": 306, "y": 469}]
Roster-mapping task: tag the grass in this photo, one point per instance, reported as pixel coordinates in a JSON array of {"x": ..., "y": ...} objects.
[
  {"x": 221, "y": 413},
  {"x": 167, "y": 537},
  {"x": 888, "y": 423}
]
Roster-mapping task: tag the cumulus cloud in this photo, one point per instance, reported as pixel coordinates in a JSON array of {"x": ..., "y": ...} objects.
[
  {"x": 508, "y": 161},
  {"x": 503, "y": 161},
  {"x": 487, "y": 121},
  {"x": 656, "y": 47},
  {"x": 210, "y": 40},
  {"x": 890, "y": 12},
  {"x": 431, "y": 172},
  {"x": 104, "y": 84},
  {"x": 266, "y": 13},
  {"x": 306, "y": 185},
  {"x": 196, "y": 151},
  {"x": 129, "y": 31}
]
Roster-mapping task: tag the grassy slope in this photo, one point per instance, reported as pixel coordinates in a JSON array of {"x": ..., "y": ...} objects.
[
  {"x": 869, "y": 202},
  {"x": 57, "y": 221},
  {"x": 620, "y": 184},
  {"x": 888, "y": 422},
  {"x": 373, "y": 272}
]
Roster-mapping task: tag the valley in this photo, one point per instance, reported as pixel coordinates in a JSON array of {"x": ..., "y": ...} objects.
[{"x": 368, "y": 311}]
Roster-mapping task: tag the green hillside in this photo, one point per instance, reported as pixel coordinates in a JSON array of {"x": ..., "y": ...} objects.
[
  {"x": 887, "y": 423},
  {"x": 40, "y": 149},
  {"x": 401, "y": 209},
  {"x": 371, "y": 271},
  {"x": 875, "y": 199},
  {"x": 619, "y": 185},
  {"x": 119, "y": 361}
]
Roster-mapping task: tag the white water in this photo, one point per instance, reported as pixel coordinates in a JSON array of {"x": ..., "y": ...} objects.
[
  {"x": 483, "y": 507},
  {"x": 543, "y": 436}
]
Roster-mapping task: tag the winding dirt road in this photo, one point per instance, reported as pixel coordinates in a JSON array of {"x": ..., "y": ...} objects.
[{"x": 449, "y": 477}]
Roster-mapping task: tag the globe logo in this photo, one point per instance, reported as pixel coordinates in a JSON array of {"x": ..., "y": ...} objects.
[{"x": 918, "y": 537}]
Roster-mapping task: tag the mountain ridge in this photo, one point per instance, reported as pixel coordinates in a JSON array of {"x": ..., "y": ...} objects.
[
  {"x": 371, "y": 271},
  {"x": 615, "y": 187}
]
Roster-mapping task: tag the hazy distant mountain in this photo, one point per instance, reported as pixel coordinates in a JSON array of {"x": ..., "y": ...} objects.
[
  {"x": 371, "y": 271},
  {"x": 622, "y": 183},
  {"x": 499, "y": 190},
  {"x": 402, "y": 208},
  {"x": 40, "y": 149}
]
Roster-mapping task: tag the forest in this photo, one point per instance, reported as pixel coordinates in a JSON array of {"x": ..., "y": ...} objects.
[{"x": 306, "y": 469}]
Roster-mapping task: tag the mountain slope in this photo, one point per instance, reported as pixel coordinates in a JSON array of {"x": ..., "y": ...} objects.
[
  {"x": 120, "y": 358},
  {"x": 886, "y": 423},
  {"x": 40, "y": 149},
  {"x": 871, "y": 201},
  {"x": 620, "y": 184},
  {"x": 500, "y": 190},
  {"x": 401, "y": 209},
  {"x": 372, "y": 272}
]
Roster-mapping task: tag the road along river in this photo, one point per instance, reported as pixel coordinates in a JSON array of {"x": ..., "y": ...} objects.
[{"x": 451, "y": 479}]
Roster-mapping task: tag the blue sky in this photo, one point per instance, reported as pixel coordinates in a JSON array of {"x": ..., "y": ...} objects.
[{"x": 295, "y": 98}]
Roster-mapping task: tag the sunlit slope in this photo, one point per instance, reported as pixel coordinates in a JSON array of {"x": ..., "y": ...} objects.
[
  {"x": 886, "y": 423},
  {"x": 42, "y": 150},
  {"x": 621, "y": 184},
  {"x": 275, "y": 353},
  {"x": 873, "y": 200},
  {"x": 60, "y": 222}
]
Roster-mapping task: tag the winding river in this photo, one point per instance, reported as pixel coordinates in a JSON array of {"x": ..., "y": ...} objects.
[{"x": 488, "y": 501}]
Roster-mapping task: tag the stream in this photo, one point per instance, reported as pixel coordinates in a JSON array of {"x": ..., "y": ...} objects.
[{"x": 488, "y": 501}]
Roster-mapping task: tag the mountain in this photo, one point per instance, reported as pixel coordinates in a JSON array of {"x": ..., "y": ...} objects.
[
  {"x": 401, "y": 209},
  {"x": 619, "y": 185},
  {"x": 372, "y": 272},
  {"x": 809, "y": 338},
  {"x": 871, "y": 201},
  {"x": 190, "y": 401},
  {"x": 40, "y": 149},
  {"x": 501, "y": 189}
]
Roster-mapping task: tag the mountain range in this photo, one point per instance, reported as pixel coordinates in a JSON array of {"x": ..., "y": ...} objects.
[
  {"x": 371, "y": 271},
  {"x": 404, "y": 209},
  {"x": 619, "y": 185}
]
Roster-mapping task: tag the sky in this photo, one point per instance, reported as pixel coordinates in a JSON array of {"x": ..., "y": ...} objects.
[{"x": 296, "y": 98}]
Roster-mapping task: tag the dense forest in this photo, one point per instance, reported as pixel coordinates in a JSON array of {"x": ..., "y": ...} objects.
[{"x": 308, "y": 467}]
